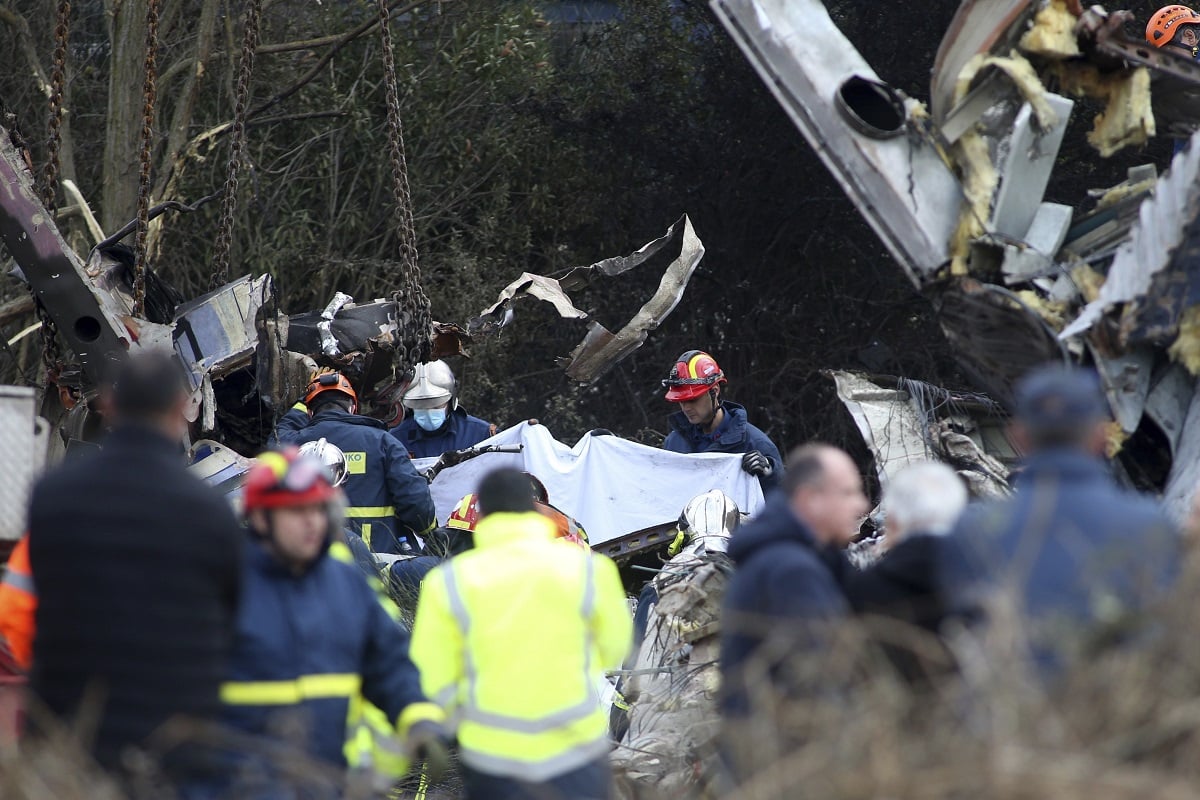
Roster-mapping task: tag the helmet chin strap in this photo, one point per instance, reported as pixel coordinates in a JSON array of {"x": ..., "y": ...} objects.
[{"x": 712, "y": 412}]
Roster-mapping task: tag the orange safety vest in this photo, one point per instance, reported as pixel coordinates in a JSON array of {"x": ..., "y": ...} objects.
[{"x": 18, "y": 602}]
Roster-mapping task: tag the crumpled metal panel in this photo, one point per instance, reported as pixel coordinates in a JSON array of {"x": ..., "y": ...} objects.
[
  {"x": 1163, "y": 221},
  {"x": 899, "y": 182},
  {"x": 217, "y": 332},
  {"x": 601, "y": 349},
  {"x": 979, "y": 26}
]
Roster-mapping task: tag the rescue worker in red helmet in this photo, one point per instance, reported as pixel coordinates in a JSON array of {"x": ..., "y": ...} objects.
[
  {"x": 1175, "y": 29},
  {"x": 286, "y": 677},
  {"x": 389, "y": 503},
  {"x": 707, "y": 424}
]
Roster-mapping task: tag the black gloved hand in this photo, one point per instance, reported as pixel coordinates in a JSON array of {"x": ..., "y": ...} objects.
[
  {"x": 428, "y": 742},
  {"x": 756, "y": 463}
]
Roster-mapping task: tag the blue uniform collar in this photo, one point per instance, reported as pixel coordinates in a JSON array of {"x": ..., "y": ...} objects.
[
  {"x": 345, "y": 416},
  {"x": 731, "y": 430}
]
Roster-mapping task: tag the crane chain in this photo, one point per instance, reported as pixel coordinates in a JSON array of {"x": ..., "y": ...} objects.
[
  {"x": 58, "y": 81},
  {"x": 416, "y": 342},
  {"x": 224, "y": 240},
  {"x": 149, "y": 95}
]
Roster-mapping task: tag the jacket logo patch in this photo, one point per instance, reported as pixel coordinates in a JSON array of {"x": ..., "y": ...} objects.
[{"x": 356, "y": 463}]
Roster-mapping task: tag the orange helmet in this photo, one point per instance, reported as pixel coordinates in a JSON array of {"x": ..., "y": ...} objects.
[
  {"x": 329, "y": 382},
  {"x": 567, "y": 527},
  {"x": 693, "y": 374},
  {"x": 1167, "y": 21},
  {"x": 466, "y": 514}
]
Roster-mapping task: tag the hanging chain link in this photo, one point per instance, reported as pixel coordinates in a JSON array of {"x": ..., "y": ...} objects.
[
  {"x": 58, "y": 82},
  {"x": 416, "y": 343},
  {"x": 224, "y": 241},
  {"x": 149, "y": 95}
]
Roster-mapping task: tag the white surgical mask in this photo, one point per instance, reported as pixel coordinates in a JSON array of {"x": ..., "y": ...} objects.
[{"x": 430, "y": 419}]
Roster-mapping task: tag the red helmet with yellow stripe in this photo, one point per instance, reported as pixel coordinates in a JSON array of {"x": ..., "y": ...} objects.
[
  {"x": 693, "y": 375},
  {"x": 282, "y": 478}
]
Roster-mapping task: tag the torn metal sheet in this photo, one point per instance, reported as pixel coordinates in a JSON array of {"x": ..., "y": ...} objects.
[
  {"x": 217, "y": 332},
  {"x": 918, "y": 422},
  {"x": 1029, "y": 157},
  {"x": 554, "y": 290},
  {"x": 978, "y": 27},
  {"x": 1126, "y": 382},
  {"x": 871, "y": 140},
  {"x": 1184, "y": 479},
  {"x": 1162, "y": 220},
  {"x": 88, "y": 320},
  {"x": 22, "y": 447},
  {"x": 1167, "y": 403},
  {"x": 601, "y": 350}
]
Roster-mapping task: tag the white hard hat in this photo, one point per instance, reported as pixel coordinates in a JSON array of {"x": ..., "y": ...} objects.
[
  {"x": 432, "y": 386},
  {"x": 331, "y": 456},
  {"x": 709, "y": 519}
]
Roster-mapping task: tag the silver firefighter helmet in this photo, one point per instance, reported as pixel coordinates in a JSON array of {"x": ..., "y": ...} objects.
[
  {"x": 433, "y": 385},
  {"x": 709, "y": 519},
  {"x": 331, "y": 456}
]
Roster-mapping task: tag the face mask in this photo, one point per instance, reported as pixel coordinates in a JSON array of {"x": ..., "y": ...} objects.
[{"x": 430, "y": 419}]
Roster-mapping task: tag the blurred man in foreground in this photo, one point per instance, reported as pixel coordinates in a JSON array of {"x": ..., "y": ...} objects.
[{"x": 137, "y": 565}]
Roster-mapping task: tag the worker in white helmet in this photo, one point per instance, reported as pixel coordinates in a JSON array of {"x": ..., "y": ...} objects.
[{"x": 433, "y": 421}]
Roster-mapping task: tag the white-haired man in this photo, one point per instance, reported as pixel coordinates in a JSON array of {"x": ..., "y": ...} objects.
[{"x": 921, "y": 504}]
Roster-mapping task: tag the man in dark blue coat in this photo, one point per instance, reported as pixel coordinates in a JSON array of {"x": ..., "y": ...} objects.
[
  {"x": 389, "y": 502},
  {"x": 435, "y": 422},
  {"x": 707, "y": 424},
  {"x": 312, "y": 641},
  {"x": 1070, "y": 548},
  {"x": 790, "y": 572}
]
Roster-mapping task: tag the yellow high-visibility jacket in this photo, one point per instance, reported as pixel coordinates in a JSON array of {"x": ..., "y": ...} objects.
[{"x": 512, "y": 639}]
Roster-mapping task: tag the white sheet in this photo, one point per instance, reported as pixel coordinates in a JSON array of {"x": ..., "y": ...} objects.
[{"x": 609, "y": 485}]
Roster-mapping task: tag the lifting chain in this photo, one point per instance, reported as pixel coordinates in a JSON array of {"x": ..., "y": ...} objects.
[
  {"x": 58, "y": 82},
  {"x": 224, "y": 241},
  {"x": 416, "y": 342},
  {"x": 149, "y": 92}
]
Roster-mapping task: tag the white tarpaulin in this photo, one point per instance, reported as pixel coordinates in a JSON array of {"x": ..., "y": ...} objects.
[{"x": 609, "y": 485}]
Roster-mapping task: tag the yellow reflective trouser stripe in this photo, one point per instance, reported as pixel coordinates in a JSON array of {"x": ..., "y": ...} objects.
[
  {"x": 360, "y": 512},
  {"x": 279, "y": 693}
]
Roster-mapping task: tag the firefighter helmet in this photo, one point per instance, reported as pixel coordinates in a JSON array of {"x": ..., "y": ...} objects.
[
  {"x": 692, "y": 375},
  {"x": 432, "y": 386},
  {"x": 283, "y": 478},
  {"x": 1166, "y": 23},
  {"x": 331, "y": 456},
  {"x": 329, "y": 382},
  {"x": 465, "y": 515}
]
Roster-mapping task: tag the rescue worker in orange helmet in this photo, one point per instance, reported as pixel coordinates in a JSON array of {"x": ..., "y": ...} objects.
[
  {"x": 18, "y": 602},
  {"x": 389, "y": 503},
  {"x": 312, "y": 638},
  {"x": 1175, "y": 29},
  {"x": 707, "y": 424}
]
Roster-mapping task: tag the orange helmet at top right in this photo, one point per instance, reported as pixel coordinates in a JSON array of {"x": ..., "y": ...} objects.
[{"x": 1165, "y": 23}]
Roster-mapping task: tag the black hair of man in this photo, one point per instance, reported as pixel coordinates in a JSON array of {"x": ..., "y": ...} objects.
[
  {"x": 805, "y": 467},
  {"x": 147, "y": 386},
  {"x": 505, "y": 491}
]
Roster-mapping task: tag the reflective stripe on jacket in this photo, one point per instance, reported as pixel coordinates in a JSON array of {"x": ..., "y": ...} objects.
[
  {"x": 513, "y": 637},
  {"x": 18, "y": 603},
  {"x": 312, "y": 646},
  {"x": 387, "y": 499}
]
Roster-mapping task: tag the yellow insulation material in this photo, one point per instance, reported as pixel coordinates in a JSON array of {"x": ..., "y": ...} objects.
[
  {"x": 1054, "y": 312},
  {"x": 1186, "y": 348},
  {"x": 1053, "y": 33},
  {"x": 1119, "y": 193},
  {"x": 979, "y": 179},
  {"x": 1023, "y": 76},
  {"x": 1114, "y": 439},
  {"x": 1088, "y": 281},
  {"x": 1127, "y": 118},
  {"x": 978, "y": 173}
]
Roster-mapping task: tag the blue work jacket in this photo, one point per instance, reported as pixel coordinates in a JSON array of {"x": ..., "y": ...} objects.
[
  {"x": 458, "y": 432},
  {"x": 735, "y": 434},
  {"x": 388, "y": 500}
]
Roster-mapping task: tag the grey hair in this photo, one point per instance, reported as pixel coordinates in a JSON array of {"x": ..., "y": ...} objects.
[{"x": 925, "y": 497}]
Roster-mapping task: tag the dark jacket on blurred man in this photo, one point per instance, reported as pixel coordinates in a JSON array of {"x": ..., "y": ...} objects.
[{"x": 138, "y": 565}]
